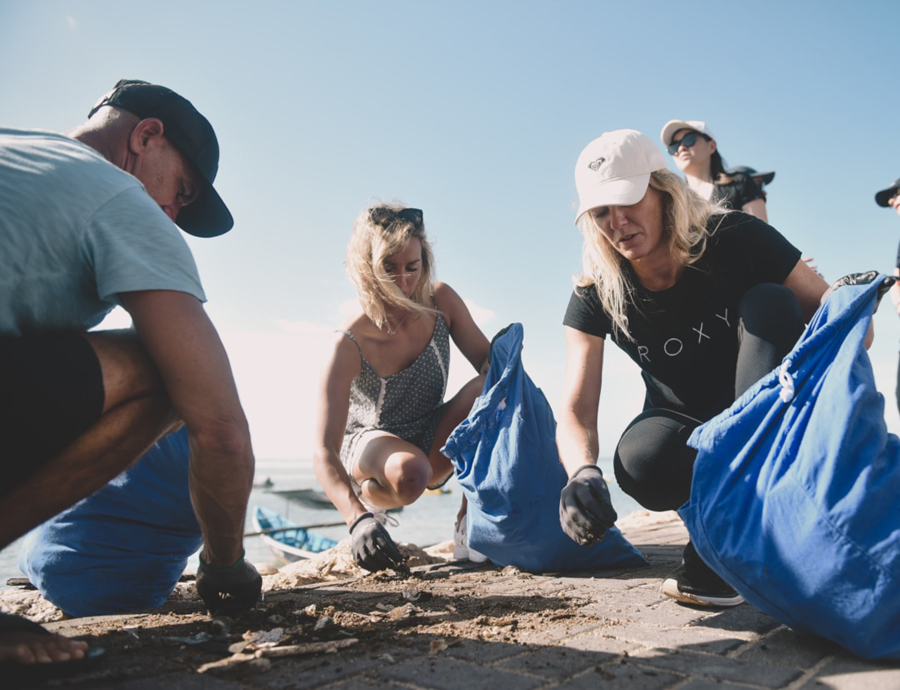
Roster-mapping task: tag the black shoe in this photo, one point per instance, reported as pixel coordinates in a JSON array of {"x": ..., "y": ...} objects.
[{"x": 694, "y": 582}]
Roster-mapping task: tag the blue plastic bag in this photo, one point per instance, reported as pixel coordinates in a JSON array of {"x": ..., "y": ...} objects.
[
  {"x": 123, "y": 548},
  {"x": 508, "y": 466},
  {"x": 794, "y": 500}
]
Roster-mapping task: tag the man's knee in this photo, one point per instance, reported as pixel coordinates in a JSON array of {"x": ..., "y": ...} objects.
[{"x": 128, "y": 372}]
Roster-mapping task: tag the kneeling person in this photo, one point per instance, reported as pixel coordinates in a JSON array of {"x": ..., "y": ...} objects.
[{"x": 87, "y": 222}]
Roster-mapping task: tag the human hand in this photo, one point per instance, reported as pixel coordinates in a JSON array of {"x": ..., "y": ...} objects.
[
  {"x": 585, "y": 508},
  {"x": 863, "y": 278},
  {"x": 373, "y": 548},
  {"x": 228, "y": 591},
  {"x": 808, "y": 260}
]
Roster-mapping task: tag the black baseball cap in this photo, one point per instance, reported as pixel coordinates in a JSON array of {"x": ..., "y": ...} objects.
[
  {"x": 191, "y": 133},
  {"x": 883, "y": 197},
  {"x": 767, "y": 177}
]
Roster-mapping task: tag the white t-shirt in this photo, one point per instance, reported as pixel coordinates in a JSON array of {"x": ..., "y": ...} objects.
[{"x": 76, "y": 231}]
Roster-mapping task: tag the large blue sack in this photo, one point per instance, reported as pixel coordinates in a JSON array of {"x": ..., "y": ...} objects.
[
  {"x": 123, "y": 548},
  {"x": 508, "y": 466},
  {"x": 795, "y": 493}
]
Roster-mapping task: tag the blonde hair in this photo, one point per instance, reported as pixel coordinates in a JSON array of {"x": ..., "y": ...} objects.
[
  {"x": 685, "y": 217},
  {"x": 372, "y": 242}
]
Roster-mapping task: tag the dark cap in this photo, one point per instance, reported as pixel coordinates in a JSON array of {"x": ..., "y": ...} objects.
[
  {"x": 192, "y": 134},
  {"x": 767, "y": 177},
  {"x": 884, "y": 197}
]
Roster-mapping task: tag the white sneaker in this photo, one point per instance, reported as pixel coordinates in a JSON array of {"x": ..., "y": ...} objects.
[{"x": 461, "y": 550}]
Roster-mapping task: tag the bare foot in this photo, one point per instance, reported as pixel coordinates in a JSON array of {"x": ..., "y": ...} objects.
[{"x": 36, "y": 648}]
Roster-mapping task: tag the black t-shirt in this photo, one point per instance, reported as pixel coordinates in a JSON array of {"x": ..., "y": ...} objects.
[
  {"x": 741, "y": 190},
  {"x": 685, "y": 337}
]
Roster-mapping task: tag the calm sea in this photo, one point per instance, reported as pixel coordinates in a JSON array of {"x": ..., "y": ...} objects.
[{"x": 428, "y": 521}]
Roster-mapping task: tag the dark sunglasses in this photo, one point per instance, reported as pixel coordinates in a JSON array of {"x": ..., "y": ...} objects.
[
  {"x": 385, "y": 217},
  {"x": 687, "y": 140}
]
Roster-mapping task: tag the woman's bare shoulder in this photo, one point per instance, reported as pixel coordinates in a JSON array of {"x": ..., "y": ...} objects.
[
  {"x": 445, "y": 295},
  {"x": 356, "y": 325}
]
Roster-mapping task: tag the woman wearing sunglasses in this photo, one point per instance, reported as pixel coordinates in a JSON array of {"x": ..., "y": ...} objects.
[
  {"x": 697, "y": 155},
  {"x": 382, "y": 419},
  {"x": 704, "y": 302}
]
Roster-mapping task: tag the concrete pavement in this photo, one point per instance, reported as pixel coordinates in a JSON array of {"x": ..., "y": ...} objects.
[{"x": 601, "y": 630}]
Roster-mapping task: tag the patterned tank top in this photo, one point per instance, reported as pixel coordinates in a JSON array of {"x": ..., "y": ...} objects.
[{"x": 408, "y": 403}]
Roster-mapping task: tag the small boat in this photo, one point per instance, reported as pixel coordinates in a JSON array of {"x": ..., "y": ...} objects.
[
  {"x": 314, "y": 498},
  {"x": 286, "y": 540}
]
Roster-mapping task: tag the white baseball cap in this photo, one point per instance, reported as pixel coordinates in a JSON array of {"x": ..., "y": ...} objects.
[
  {"x": 614, "y": 170},
  {"x": 672, "y": 126}
]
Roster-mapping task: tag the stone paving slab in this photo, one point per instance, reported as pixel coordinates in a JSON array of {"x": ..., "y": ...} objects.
[
  {"x": 845, "y": 673},
  {"x": 619, "y": 676},
  {"x": 706, "y": 684},
  {"x": 784, "y": 647},
  {"x": 675, "y": 638},
  {"x": 552, "y": 663},
  {"x": 442, "y": 673},
  {"x": 715, "y": 667}
]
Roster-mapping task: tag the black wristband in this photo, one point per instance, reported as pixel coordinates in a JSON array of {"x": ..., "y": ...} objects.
[
  {"x": 585, "y": 467},
  {"x": 359, "y": 519},
  {"x": 224, "y": 570}
]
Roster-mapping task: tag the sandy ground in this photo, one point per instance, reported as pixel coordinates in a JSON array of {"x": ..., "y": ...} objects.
[
  {"x": 319, "y": 605},
  {"x": 299, "y": 608}
]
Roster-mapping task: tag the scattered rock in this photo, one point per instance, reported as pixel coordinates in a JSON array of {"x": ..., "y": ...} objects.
[
  {"x": 266, "y": 569},
  {"x": 414, "y": 594},
  {"x": 261, "y": 639},
  {"x": 403, "y": 612}
]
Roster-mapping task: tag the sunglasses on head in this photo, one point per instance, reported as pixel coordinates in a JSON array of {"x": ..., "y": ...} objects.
[
  {"x": 687, "y": 140},
  {"x": 385, "y": 217}
]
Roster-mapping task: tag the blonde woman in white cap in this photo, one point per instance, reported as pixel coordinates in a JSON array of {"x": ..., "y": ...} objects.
[
  {"x": 705, "y": 301},
  {"x": 697, "y": 155}
]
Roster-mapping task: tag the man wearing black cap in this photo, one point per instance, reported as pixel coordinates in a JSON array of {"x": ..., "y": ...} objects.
[
  {"x": 87, "y": 222},
  {"x": 890, "y": 197}
]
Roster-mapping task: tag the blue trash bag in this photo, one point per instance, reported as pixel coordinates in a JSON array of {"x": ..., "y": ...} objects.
[
  {"x": 123, "y": 548},
  {"x": 796, "y": 486},
  {"x": 508, "y": 466}
]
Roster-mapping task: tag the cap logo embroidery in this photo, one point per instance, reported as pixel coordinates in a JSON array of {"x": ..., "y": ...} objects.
[{"x": 595, "y": 165}]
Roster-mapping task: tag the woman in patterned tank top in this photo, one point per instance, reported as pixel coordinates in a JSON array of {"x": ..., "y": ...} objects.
[{"x": 382, "y": 419}]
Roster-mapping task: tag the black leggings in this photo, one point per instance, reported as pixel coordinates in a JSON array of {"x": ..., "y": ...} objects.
[{"x": 653, "y": 462}]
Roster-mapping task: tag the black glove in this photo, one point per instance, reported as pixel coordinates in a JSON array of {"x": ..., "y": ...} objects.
[
  {"x": 373, "y": 548},
  {"x": 861, "y": 279},
  {"x": 228, "y": 591},
  {"x": 585, "y": 508}
]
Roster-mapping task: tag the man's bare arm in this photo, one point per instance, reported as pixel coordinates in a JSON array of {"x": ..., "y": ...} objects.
[{"x": 185, "y": 347}]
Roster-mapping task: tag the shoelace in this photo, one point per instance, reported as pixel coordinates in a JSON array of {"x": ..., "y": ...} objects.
[{"x": 787, "y": 383}]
